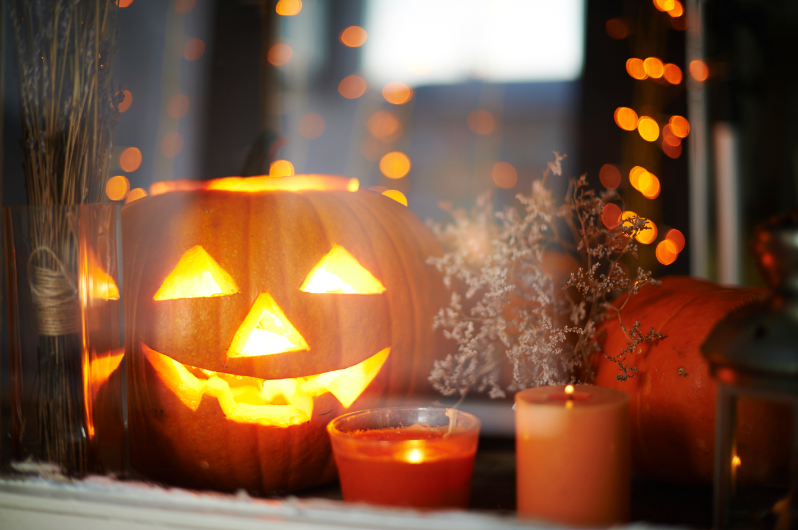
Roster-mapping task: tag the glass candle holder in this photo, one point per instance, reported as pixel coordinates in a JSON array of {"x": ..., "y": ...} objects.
[{"x": 406, "y": 456}]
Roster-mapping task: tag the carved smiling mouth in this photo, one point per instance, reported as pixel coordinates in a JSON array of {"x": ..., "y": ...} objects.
[{"x": 267, "y": 402}]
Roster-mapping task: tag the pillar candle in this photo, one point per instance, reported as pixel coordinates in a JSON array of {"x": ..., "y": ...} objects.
[{"x": 573, "y": 455}]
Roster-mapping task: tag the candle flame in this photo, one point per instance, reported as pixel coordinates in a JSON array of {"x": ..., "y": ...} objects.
[
  {"x": 736, "y": 461},
  {"x": 414, "y": 456},
  {"x": 569, "y": 389}
]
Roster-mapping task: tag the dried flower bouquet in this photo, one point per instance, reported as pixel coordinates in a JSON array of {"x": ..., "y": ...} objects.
[{"x": 509, "y": 309}]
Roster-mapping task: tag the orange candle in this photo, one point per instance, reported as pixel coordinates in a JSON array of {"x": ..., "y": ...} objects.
[
  {"x": 573, "y": 455},
  {"x": 405, "y": 456}
]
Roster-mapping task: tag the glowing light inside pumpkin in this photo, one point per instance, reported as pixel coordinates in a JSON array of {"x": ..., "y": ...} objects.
[
  {"x": 279, "y": 402},
  {"x": 569, "y": 389},
  {"x": 339, "y": 272},
  {"x": 95, "y": 373},
  {"x": 101, "y": 285},
  {"x": 414, "y": 456},
  {"x": 294, "y": 183},
  {"x": 196, "y": 275},
  {"x": 736, "y": 461},
  {"x": 265, "y": 331}
]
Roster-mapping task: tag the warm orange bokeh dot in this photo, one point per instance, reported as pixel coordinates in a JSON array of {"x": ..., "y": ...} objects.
[
  {"x": 666, "y": 252},
  {"x": 125, "y": 3},
  {"x": 504, "y": 175},
  {"x": 172, "y": 144},
  {"x": 396, "y": 195},
  {"x": 481, "y": 122},
  {"x": 177, "y": 107},
  {"x": 664, "y": 5},
  {"x": 395, "y": 165},
  {"x": 677, "y": 11},
  {"x": 397, "y": 93},
  {"x": 636, "y": 68},
  {"x": 117, "y": 187},
  {"x": 385, "y": 126},
  {"x": 672, "y": 74},
  {"x": 130, "y": 159},
  {"x": 289, "y": 8},
  {"x": 679, "y": 126},
  {"x": 677, "y": 238},
  {"x": 125, "y": 104},
  {"x": 354, "y": 36},
  {"x": 626, "y": 118},
  {"x": 647, "y": 236},
  {"x": 609, "y": 176},
  {"x": 281, "y": 168},
  {"x": 611, "y": 215},
  {"x": 134, "y": 195},
  {"x": 669, "y": 137},
  {"x": 699, "y": 70},
  {"x": 311, "y": 126},
  {"x": 185, "y": 6},
  {"x": 648, "y": 129},
  {"x": 193, "y": 49},
  {"x": 672, "y": 151},
  {"x": 352, "y": 87},
  {"x": 279, "y": 54},
  {"x": 653, "y": 67},
  {"x": 616, "y": 29},
  {"x": 651, "y": 188},
  {"x": 634, "y": 175}
]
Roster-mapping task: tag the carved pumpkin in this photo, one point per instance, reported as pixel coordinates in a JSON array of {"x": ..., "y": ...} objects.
[
  {"x": 673, "y": 395},
  {"x": 257, "y": 310}
]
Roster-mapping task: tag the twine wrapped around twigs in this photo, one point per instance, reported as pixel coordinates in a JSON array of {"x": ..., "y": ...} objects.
[{"x": 55, "y": 297}]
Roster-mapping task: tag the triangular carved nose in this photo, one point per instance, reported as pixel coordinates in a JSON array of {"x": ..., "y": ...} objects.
[{"x": 265, "y": 331}]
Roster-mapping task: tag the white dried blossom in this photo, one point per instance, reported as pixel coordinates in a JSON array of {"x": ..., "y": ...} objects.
[{"x": 506, "y": 313}]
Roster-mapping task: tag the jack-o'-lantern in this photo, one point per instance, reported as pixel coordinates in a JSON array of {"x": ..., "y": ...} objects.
[{"x": 259, "y": 309}]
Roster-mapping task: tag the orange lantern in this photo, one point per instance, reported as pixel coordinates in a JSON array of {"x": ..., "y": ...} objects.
[{"x": 258, "y": 310}]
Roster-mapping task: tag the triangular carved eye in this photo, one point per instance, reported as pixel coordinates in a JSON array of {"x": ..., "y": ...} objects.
[
  {"x": 196, "y": 275},
  {"x": 339, "y": 272},
  {"x": 265, "y": 331}
]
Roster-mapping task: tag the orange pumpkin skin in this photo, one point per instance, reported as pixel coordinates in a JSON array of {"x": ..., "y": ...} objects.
[
  {"x": 673, "y": 395},
  {"x": 268, "y": 241}
]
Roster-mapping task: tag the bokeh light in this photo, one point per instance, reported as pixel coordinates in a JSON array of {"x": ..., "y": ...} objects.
[
  {"x": 672, "y": 74},
  {"x": 353, "y": 36},
  {"x": 699, "y": 70},
  {"x": 679, "y": 126},
  {"x": 626, "y": 118},
  {"x": 669, "y": 137},
  {"x": 396, "y": 195},
  {"x": 279, "y": 54},
  {"x": 281, "y": 168},
  {"x": 651, "y": 188},
  {"x": 664, "y": 5},
  {"x": 625, "y": 216},
  {"x": 117, "y": 187},
  {"x": 481, "y": 122},
  {"x": 125, "y": 3},
  {"x": 616, "y": 29},
  {"x": 289, "y": 8},
  {"x": 678, "y": 9},
  {"x": 185, "y": 6},
  {"x": 134, "y": 195},
  {"x": 666, "y": 252},
  {"x": 311, "y": 126},
  {"x": 172, "y": 144},
  {"x": 193, "y": 49},
  {"x": 397, "y": 93},
  {"x": 395, "y": 165},
  {"x": 125, "y": 104},
  {"x": 352, "y": 87},
  {"x": 648, "y": 129},
  {"x": 130, "y": 159},
  {"x": 636, "y": 68},
  {"x": 634, "y": 175},
  {"x": 653, "y": 67},
  {"x": 647, "y": 236},
  {"x": 504, "y": 175},
  {"x": 677, "y": 238},
  {"x": 610, "y": 177},
  {"x": 611, "y": 215},
  {"x": 384, "y": 126},
  {"x": 672, "y": 151},
  {"x": 178, "y": 106}
]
